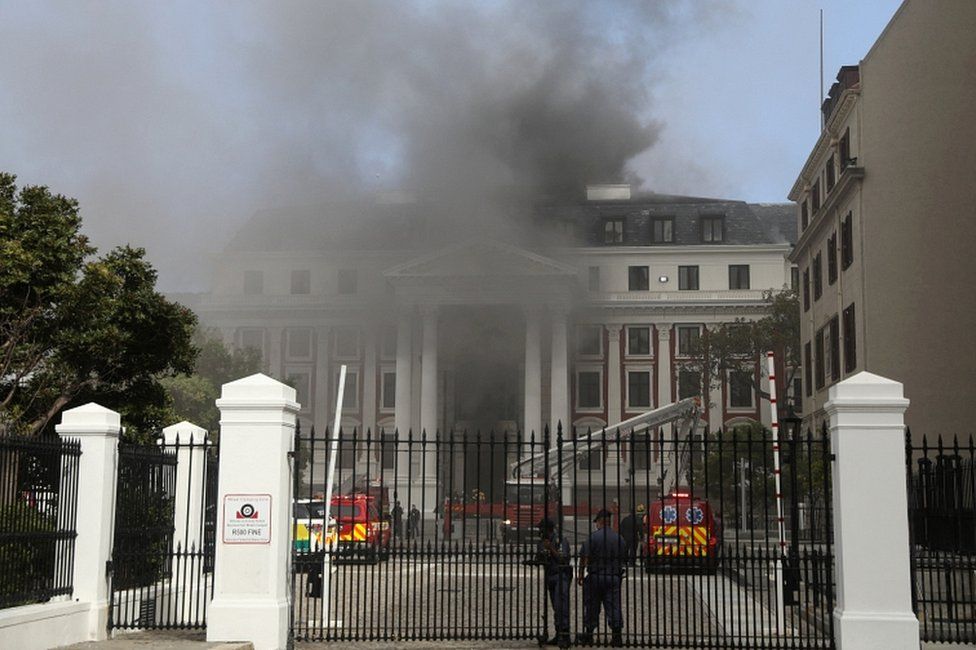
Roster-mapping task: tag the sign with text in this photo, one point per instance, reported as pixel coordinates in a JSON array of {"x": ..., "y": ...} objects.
[{"x": 247, "y": 519}]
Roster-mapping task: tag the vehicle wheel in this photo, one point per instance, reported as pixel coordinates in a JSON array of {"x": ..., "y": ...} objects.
[{"x": 372, "y": 555}]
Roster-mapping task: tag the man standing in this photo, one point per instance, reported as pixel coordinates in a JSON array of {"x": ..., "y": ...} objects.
[
  {"x": 397, "y": 514},
  {"x": 602, "y": 557},
  {"x": 553, "y": 554},
  {"x": 630, "y": 530},
  {"x": 413, "y": 522}
]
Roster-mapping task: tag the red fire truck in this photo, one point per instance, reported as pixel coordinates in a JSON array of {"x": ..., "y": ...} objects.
[{"x": 364, "y": 533}]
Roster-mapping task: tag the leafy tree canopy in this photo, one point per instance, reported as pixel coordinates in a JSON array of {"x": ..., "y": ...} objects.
[{"x": 75, "y": 327}]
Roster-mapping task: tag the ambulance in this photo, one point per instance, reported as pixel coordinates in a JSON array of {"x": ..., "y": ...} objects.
[
  {"x": 364, "y": 533},
  {"x": 682, "y": 530}
]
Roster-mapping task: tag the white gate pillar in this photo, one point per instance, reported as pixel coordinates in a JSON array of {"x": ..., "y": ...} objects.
[
  {"x": 98, "y": 429},
  {"x": 251, "y": 595},
  {"x": 867, "y": 438},
  {"x": 191, "y": 473}
]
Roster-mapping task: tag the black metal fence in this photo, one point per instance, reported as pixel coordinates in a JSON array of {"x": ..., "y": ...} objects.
[
  {"x": 38, "y": 506},
  {"x": 165, "y": 520},
  {"x": 436, "y": 536},
  {"x": 942, "y": 521}
]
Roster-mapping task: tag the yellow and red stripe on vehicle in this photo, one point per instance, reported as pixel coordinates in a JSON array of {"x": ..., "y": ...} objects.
[
  {"x": 680, "y": 540},
  {"x": 352, "y": 533}
]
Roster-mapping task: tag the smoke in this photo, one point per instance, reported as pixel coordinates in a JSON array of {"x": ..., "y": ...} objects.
[{"x": 172, "y": 123}]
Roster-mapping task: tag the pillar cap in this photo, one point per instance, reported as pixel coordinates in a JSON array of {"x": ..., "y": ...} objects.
[
  {"x": 258, "y": 388},
  {"x": 90, "y": 419},
  {"x": 866, "y": 389},
  {"x": 185, "y": 433}
]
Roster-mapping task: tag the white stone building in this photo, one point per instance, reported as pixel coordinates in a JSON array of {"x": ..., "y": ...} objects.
[{"x": 586, "y": 321}]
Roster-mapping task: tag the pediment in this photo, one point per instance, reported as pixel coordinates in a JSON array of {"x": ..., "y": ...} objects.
[{"x": 481, "y": 259}]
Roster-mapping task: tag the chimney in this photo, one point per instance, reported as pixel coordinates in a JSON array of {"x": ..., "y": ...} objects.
[{"x": 608, "y": 192}]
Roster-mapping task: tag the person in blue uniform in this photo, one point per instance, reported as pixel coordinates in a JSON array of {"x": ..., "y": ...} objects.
[
  {"x": 601, "y": 572},
  {"x": 553, "y": 554}
]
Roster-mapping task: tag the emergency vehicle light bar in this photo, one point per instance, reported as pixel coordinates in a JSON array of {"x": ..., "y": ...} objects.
[{"x": 687, "y": 409}]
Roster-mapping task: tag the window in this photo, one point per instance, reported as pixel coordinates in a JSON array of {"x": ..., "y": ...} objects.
[
  {"x": 689, "y": 337},
  {"x": 347, "y": 451},
  {"x": 689, "y": 383},
  {"x": 348, "y": 281},
  {"x": 643, "y": 451},
  {"x": 804, "y": 215},
  {"x": 844, "y": 148},
  {"x": 253, "y": 282},
  {"x": 806, "y": 289},
  {"x": 740, "y": 389},
  {"x": 613, "y": 231},
  {"x": 830, "y": 173},
  {"x": 388, "y": 448},
  {"x": 253, "y": 339},
  {"x": 687, "y": 278},
  {"x": 301, "y": 381},
  {"x": 298, "y": 344},
  {"x": 819, "y": 358},
  {"x": 663, "y": 230},
  {"x": 794, "y": 278},
  {"x": 350, "y": 395},
  {"x": 388, "y": 391},
  {"x": 817, "y": 277},
  {"x": 638, "y": 278},
  {"x": 639, "y": 389},
  {"x": 589, "y": 340},
  {"x": 301, "y": 281},
  {"x": 592, "y": 459},
  {"x": 346, "y": 342},
  {"x": 850, "y": 340},
  {"x": 832, "y": 258},
  {"x": 638, "y": 341},
  {"x": 833, "y": 329},
  {"x": 815, "y": 197},
  {"x": 589, "y": 394},
  {"x": 738, "y": 276},
  {"x": 594, "y": 278},
  {"x": 808, "y": 368},
  {"x": 847, "y": 241},
  {"x": 713, "y": 229},
  {"x": 797, "y": 395}
]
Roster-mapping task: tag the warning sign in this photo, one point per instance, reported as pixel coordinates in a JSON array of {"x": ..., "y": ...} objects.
[{"x": 247, "y": 519}]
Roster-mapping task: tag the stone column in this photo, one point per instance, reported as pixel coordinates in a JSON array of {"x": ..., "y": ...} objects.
[
  {"x": 404, "y": 375},
  {"x": 275, "y": 334},
  {"x": 867, "y": 438},
  {"x": 191, "y": 472},
  {"x": 98, "y": 430},
  {"x": 369, "y": 381},
  {"x": 532, "y": 420},
  {"x": 252, "y": 572},
  {"x": 428, "y": 410},
  {"x": 323, "y": 381},
  {"x": 559, "y": 376},
  {"x": 613, "y": 375},
  {"x": 664, "y": 396}
]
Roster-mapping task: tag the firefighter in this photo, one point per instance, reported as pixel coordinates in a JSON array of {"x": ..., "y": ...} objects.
[
  {"x": 553, "y": 554},
  {"x": 602, "y": 557}
]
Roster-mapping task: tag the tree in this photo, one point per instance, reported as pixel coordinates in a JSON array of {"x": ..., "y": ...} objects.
[
  {"x": 740, "y": 345},
  {"x": 74, "y": 327},
  {"x": 193, "y": 395}
]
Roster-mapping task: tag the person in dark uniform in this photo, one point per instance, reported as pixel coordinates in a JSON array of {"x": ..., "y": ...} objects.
[
  {"x": 553, "y": 555},
  {"x": 630, "y": 530},
  {"x": 602, "y": 558},
  {"x": 397, "y": 514},
  {"x": 413, "y": 522}
]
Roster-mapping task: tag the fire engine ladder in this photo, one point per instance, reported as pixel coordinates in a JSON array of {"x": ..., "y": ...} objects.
[{"x": 686, "y": 412}]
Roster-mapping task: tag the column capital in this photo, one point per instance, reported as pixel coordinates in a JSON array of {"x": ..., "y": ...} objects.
[
  {"x": 613, "y": 329},
  {"x": 428, "y": 310},
  {"x": 664, "y": 331}
]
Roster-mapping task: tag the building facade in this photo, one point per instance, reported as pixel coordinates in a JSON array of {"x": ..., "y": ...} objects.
[
  {"x": 589, "y": 320},
  {"x": 885, "y": 214}
]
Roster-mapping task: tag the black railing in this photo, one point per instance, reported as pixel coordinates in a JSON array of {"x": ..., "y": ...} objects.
[
  {"x": 38, "y": 506},
  {"x": 942, "y": 520},
  {"x": 163, "y": 559},
  {"x": 437, "y": 539}
]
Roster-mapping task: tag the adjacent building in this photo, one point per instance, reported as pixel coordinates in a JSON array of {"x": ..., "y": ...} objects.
[{"x": 886, "y": 214}]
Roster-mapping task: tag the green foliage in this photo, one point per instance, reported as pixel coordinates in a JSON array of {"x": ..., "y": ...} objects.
[
  {"x": 192, "y": 395},
  {"x": 26, "y": 560},
  {"x": 74, "y": 328}
]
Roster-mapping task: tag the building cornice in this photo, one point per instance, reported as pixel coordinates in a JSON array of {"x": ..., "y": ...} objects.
[
  {"x": 830, "y": 132},
  {"x": 666, "y": 249}
]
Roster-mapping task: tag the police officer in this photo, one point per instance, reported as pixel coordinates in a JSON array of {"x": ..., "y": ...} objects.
[
  {"x": 602, "y": 558},
  {"x": 553, "y": 554}
]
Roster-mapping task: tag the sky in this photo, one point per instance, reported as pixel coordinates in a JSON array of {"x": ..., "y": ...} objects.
[{"x": 173, "y": 123}]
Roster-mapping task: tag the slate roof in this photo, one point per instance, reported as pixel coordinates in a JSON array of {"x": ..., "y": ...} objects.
[{"x": 369, "y": 225}]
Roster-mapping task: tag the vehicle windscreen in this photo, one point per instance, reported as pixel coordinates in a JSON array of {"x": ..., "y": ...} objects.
[
  {"x": 347, "y": 511},
  {"x": 525, "y": 494},
  {"x": 301, "y": 511}
]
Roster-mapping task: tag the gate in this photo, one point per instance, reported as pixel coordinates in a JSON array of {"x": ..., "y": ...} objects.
[
  {"x": 436, "y": 539},
  {"x": 165, "y": 522}
]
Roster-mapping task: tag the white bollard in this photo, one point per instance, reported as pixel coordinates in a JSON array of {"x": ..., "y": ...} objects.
[
  {"x": 867, "y": 438},
  {"x": 98, "y": 429},
  {"x": 251, "y": 576}
]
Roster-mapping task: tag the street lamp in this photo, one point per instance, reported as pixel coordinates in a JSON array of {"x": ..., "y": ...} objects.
[{"x": 791, "y": 423}]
